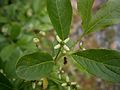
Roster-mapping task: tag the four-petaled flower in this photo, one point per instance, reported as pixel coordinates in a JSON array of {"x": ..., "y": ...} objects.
[
  {"x": 68, "y": 84},
  {"x": 60, "y": 72},
  {"x": 62, "y": 43}
]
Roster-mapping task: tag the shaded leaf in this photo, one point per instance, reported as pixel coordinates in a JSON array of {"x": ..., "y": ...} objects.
[
  {"x": 85, "y": 11},
  {"x": 100, "y": 62},
  {"x": 38, "y": 5},
  {"x": 3, "y": 19},
  {"x": 108, "y": 15},
  {"x": 10, "y": 65},
  {"x": 5, "y": 83},
  {"x": 15, "y": 31},
  {"x": 7, "y": 51},
  {"x": 34, "y": 66},
  {"x": 60, "y": 13}
]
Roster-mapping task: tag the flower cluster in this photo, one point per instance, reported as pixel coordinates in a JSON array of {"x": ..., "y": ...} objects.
[
  {"x": 62, "y": 44},
  {"x": 69, "y": 84}
]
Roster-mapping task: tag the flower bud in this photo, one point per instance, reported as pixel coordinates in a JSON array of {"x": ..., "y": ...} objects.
[
  {"x": 69, "y": 88},
  {"x": 33, "y": 85},
  {"x": 66, "y": 40},
  {"x": 64, "y": 84},
  {"x": 67, "y": 79},
  {"x": 29, "y": 12},
  {"x": 39, "y": 83},
  {"x": 58, "y": 39},
  {"x": 83, "y": 49},
  {"x": 1, "y": 70},
  {"x": 36, "y": 40},
  {"x": 64, "y": 52},
  {"x": 66, "y": 47},
  {"x": 57, "y": 46},
  {"x": 42, "y": 33},
  {"x": 73, "y": 83}
]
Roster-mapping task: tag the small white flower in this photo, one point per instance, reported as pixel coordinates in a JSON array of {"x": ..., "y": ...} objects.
[
  {"x": 58, "y": 39},
  {"x": 66, "y": 40},
  {"x": 42, "y": 33},
  {"x": 67, "y": 79},
  {"x": 73, "y": 83},
  {"x": 69, "y": 88},
  {"x": 57, "y": 46},
  {"x": 59, "y": 76},
  {"x": 68, "y": 84},
  {"x": 83, "y": 48},
  {"x": 78, "y": 86},
  {"x": 66, "y": 47},
  {"x": 64, "y": 84},
  {"x": 39, "y": 83},
  {"x": 36, "y": 40},
  {"x": 33, "y": 85},
  {"x": 13, "y": 79},
  {"x": 1, "y": 70},
  {"x": 60, "y": 72},
  {"x": 4, "y": 29},
  {"x": 64, "y": 52},
  {"x": 29, "y": 12}
]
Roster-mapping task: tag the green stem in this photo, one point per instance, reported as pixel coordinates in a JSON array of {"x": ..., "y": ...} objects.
[
  {"x": 57, "y": 55},
  {"x": 56, "y": 80}
]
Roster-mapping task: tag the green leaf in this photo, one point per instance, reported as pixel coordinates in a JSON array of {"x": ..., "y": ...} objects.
[
  {"x": 108, "y": 15},
  {"x": 100, "y": 62},
  {"x": 25, "y": 42},
  {"x": 7, "y": 51},
  {"x": 5, "y": 83},
  {"x": 3, "y": 19},
  {"x": 85, "y": 11},
  {"x": 60, "y": 13},
  {"x": 38, "y": 5},
  {"x": 34, "y": 66},
  {"x": 10, "y": 65},
  {"x": 15, "y": 30}
]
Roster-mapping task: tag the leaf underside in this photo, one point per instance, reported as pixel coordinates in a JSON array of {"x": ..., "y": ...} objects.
[
  {"x": 85, "y": 11},
  {"x": 34, "y": 66},
  {"x": 108, "y": 15},
  {"x": 100, "y": 62}
]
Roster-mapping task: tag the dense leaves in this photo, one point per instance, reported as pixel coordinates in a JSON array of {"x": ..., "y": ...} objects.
[
  {"x": 5, "y": 83},
  {"x": 100, "y": 62},
  {"x": 107, "y": 15},
  {"x": 34, "y": 66},
  {"x": 60, "y": 12}
]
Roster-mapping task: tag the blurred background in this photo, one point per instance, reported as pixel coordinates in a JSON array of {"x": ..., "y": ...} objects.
[{"x": 20, "y": 22}]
